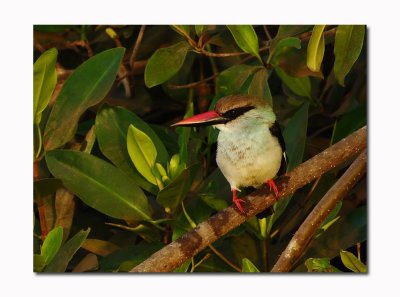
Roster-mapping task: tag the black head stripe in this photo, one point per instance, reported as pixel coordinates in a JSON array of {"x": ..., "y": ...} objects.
[{"x": 236, "y": 112}]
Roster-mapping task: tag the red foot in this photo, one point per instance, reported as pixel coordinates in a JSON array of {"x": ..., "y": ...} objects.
[
  {"x": 272, "y": 186},
  {"x": 237, "y": 201}
]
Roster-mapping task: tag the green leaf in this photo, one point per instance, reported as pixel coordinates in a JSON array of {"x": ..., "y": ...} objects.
[
  {"x": 44, "y": 82},
  {"x": 143, "y": 152},
  {"x": 294, "y": 62},
  {"x": 148, "y": 233},
  {"x": 184, "y": 136},
  {"x": 316, "y": 48},
  {"x": 295, "y": 135},
  {"x": 214, "y": 202},
  {"x": 112, "y": 128},
  {"x": 51, "y": 244},
  {"x": 134, "y": 254},
  {"x": 291, "y": 30},
  {"x": 288, "y": 31},
  {"x": 248, "y": 266},
  {"x": 99, "y": 184},
  {"x": 352, "y": 262},
  {"x": 320, "y": 265},
  {"x": 99, "y": 247},
  {"x": 38, "y": 263},
  {"x": 349, "y": 123},
  {"x": 37, "y": 141},
  {"x": 165, "y": 63},
  {"x": 184, "y": 267},
  {"x": 346, "y": 232},
  {"x": 231, "y": 80},
  {"x": 348, "y": 45},
  {"x": 282, "y": 46},
  {"x": 299, "y": 85},
  {"x": 172, "y": 195},
  {"x": 86, "y": 86},
  {"x": 332, "y": 216},
  {"x": 246, "y": 38},
  {"x": 259, "y": 86},
  {"x": 175, "y": 166},
  {"x": 66, "y": 252}
]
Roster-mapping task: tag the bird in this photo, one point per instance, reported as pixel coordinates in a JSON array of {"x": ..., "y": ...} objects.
[{"x": 250, "y": 146}]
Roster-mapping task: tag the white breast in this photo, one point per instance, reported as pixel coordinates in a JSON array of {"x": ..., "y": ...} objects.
[{"x": 247, "y": 154}]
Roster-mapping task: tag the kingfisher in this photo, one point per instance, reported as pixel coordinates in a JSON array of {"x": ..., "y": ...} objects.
[{"x": 250, "y": 146}]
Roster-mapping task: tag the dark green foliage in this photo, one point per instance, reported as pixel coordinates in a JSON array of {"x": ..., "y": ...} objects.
[{"x": 115, "y": 183}]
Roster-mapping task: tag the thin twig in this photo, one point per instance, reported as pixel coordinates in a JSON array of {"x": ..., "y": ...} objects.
[
  {"x": 264, "y": 49},
  {"x": 190, "y": 244},
  {"x": 198, "y": 263},
  {"x": 136, "y": 46},
  {"x": 305, "y": 233},
  {"x": 193, "y": 84},
  {"x": 223, "y": 258},
  {"x": 219, "y": 55},
  {"x": 267, "y": 33}
]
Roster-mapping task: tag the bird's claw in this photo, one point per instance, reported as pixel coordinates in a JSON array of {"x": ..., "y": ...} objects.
[
  {"x": 273, "y": 187},
  {"x": 237, "y": 202}
]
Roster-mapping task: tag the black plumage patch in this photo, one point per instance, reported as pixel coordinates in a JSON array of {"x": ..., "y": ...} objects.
[
  {"x": 236, "y": 112},
  {"x": 275, "y": 130}
]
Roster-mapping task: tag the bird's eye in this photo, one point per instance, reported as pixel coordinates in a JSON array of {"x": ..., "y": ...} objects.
[{"x": 236, "y": 112}]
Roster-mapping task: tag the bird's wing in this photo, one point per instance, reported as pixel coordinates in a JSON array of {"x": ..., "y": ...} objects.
[{"x": 276, "y": 131}]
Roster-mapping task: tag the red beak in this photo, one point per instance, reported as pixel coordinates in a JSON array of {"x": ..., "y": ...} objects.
[{"x": 203, "y": 119}]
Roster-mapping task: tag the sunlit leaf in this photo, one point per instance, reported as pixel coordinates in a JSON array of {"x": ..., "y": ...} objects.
[
  {"x": 112, "y": 128},
  {"x": 85, "y": 87},
  {"x": 320, "y": 265},
  {"x": 99, "y": 184},
  {"x": 352, "y": 262},
  {"x": 143, "y": 152},
  {"x": 44, "y": 82},
  {"x": 316, "y": 48},
  {"x": 38, "y": 263},
  {"x": 248, "y": 266},
  {"x": 246, "y": 38},
  {"x": 52, "y": 244},
  {"x": 66, "y": 252},
  {"x": 349, "y": 41},
  {"x": 199, "y": 29},
  {"x": 164, "y": 63}
]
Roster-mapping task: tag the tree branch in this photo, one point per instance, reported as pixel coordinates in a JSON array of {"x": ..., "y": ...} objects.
[
  {"x": 305, "y": 233},
  {"x": 191, "y": 243}
]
